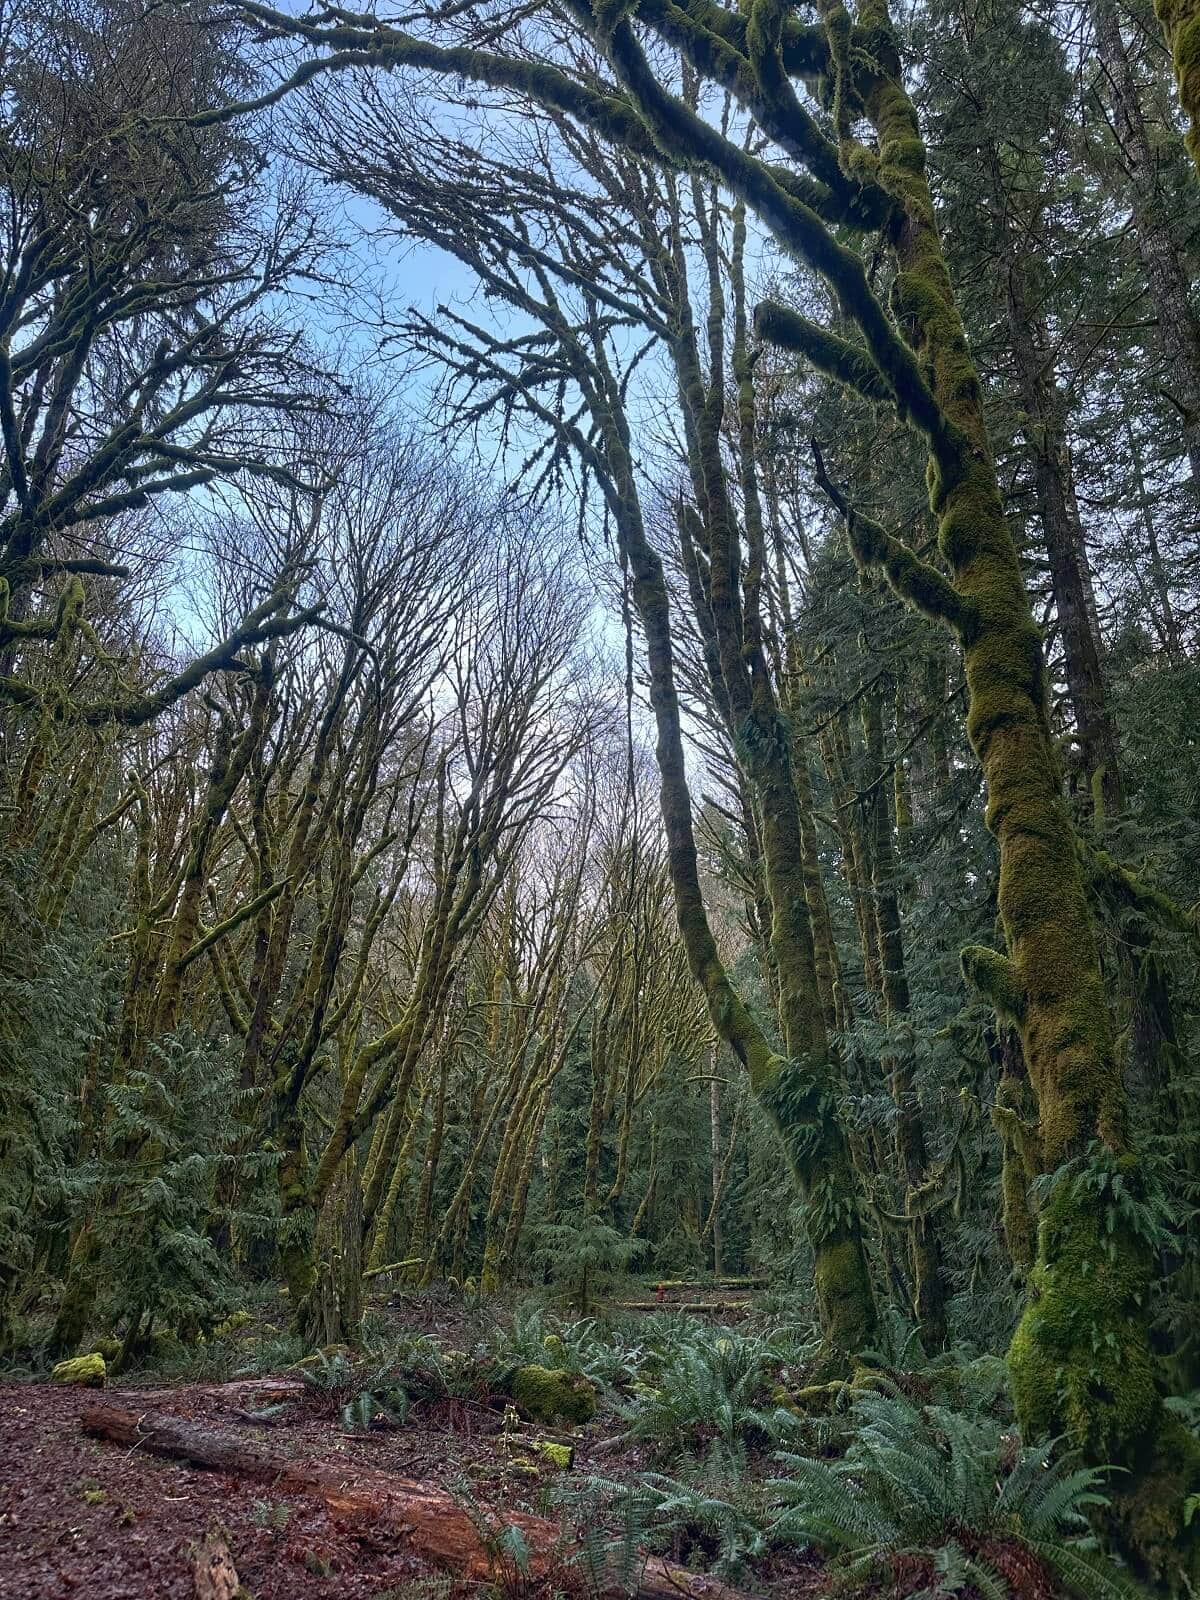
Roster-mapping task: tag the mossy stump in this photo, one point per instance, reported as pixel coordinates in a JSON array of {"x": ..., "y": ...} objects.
[{"x": 543, "y": 1395}]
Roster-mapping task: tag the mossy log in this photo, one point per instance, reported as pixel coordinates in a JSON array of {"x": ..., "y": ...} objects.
[{"x": 434, "y": 1525}]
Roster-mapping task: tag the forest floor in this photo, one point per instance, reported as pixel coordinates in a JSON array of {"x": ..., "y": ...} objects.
[
  {"x": 686, "y": 1381},
  {"x": 84, "y": 1517}
]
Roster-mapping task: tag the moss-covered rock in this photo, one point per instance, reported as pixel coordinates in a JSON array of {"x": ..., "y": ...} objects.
[
  {"x": 544, "y": 1395},
  {"x": 89, "y": 1371},
  {"x": 109, "y": 1347},
  {"x": 558, "y": 1455}
]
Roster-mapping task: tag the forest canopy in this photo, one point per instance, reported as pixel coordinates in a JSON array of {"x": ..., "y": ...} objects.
[{"x": 599, "y": 689}]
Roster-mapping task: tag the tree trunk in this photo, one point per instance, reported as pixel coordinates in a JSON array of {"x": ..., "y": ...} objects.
[
  {"x": 714, "y": 1119},
  {"x": 1081, "y": 1357},
  {"x": 1070, "y": 578},
  {"x": 1178, "y": 328},
  {"x": 924, "y": 1247}
]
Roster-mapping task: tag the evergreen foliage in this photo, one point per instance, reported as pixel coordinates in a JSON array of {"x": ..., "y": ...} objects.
[{"x": 670, "y": 775}]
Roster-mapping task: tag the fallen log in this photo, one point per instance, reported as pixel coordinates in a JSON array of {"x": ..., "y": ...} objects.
[
  {"x": 435, "y": 1525},
  {"x": 232, "y": 1389},
  {"x": 710, "y": 1306}
]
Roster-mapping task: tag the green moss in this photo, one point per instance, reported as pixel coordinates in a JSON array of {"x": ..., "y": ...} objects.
[
  {"x": 544, "y": 1395},
  {"x": 88, "y": 1371},
  {"x": 844, "y": 1293},
  {"x": 996, "y": 979},
  {"x": 558, "y": 1455},
  {"x": 1080, "y": 1359},
  {"x": 239, "y": 1319},
  {"x": 1014, "y": 1119},
  {"x": 163, "y": 1345},
  {"x": 1180, "y": 21}
]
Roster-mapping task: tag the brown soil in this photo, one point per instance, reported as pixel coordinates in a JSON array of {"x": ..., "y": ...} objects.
[{"x": 80, "y": 1518}]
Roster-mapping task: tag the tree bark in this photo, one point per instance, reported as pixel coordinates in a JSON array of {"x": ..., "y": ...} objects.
[
  {"x": 714, "y": 1115},
  {"x": 1070, "y": 579},
  {"x": 1178, "y": 327}
]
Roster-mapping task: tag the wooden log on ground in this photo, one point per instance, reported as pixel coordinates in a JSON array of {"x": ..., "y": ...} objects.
[
  {"x": 266, "y": 1389},
  {"x": 433, "y": 1522},
  {"x": 712, "y": 1307}
]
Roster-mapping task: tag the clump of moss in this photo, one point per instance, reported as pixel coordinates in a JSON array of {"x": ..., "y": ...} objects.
[
  {"x": 1080, "y": 1360},
  {"x": 1180, "y": 21},
  {"x": 89, "y": 1371},
  {"x": 239, "y": 1319},
  {"x": 544, "y": 1395}
]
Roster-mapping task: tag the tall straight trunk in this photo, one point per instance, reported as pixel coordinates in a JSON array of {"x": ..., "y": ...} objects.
[
  {"x": 793, "y": 1089},
  {"x": 419, "y": 1235},
  {"x": 714, "y": 1125},
  {"x": 1070, "y": 578},
  {"x": 1160, "y": 604},
  {"x": 1014, "y": 1117},
  {"x": 1178, "y": 326},
  {"x": 924, "y": 1247}
]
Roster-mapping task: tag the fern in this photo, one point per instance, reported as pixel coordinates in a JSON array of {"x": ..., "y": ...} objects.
[
  {"x": 918, "y": 1477},
  {"x": 717, "y": 1512},
  {"x": 1084, "y": 1573},
  {"x": 708, "y": 1387}
]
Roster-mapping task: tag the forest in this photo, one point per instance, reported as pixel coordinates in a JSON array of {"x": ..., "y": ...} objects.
[{"x": 600, "y": 800}]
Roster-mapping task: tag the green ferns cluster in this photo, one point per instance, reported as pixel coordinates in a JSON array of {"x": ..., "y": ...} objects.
[{"x": 952, "y": 1486}]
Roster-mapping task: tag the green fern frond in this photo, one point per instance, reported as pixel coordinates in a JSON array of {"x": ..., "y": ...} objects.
[{"x": 1087, "y": 1576}]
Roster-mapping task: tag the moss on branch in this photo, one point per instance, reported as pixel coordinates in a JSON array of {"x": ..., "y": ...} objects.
[{"x": 997, "y": 980}]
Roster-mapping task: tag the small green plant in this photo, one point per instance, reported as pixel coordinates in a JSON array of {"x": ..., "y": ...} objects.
[
  {"x": 329, "y": 1375},
  {"x": 272, "y": 1514},
  {"x": 376, "y": 1408},
  {"x": 581, "y": 1345},
  {"x": 1129, "y": 1195},
  {"x": 371, "y": 1396},
  {"x": 504, "y": 1542},
  {"x": 714, "y": 1514}
]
